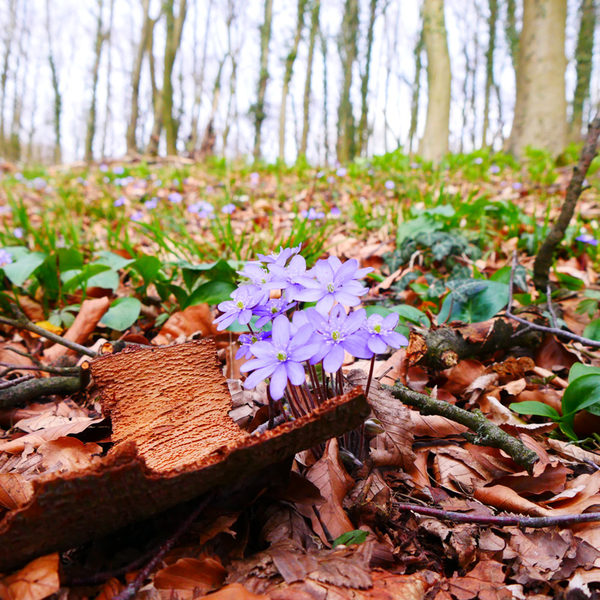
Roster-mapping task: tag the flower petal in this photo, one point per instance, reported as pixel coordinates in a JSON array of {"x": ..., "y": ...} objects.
[
  {"x": 295, "y": 372},
  {"x": 278, "y": 382},
  {"x": 257, "y": 376},
  {"x": 281, "y": 332},
  {"x": 333, "y": 359}
]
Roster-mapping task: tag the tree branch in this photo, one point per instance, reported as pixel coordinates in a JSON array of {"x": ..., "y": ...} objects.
[
  {"x": 486, "y": 433},
  {"x": 21, "y": 393}
]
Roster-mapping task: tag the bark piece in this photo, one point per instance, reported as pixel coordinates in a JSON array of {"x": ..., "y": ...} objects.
[{"x": 173, "y": 402}]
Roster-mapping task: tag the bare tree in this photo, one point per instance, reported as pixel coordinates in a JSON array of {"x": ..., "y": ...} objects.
[
  {"x": 259, "y": 108},
  {"x": 107, "y": 111},
  {"x": 323, "y": 39},
  {"x": 489, "y": 67},
  {"x": 416, "y": 90},
  {"x": 363, "y": 129},
  {"x": 7, "y": 40},
  {"x": 287, "y": 75},
  {"x": 57, "y": 108}
]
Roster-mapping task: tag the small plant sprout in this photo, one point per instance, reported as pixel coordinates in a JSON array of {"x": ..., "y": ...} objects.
[{"x": 290, "y": 344}]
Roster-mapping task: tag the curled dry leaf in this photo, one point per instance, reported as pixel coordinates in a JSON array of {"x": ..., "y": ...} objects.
[
  {"x": 15, "y": 490},
  {"x": 37, "y": 580},
  {"x": 85, "y": 324},
  {"x": 189, "y": 577},
  {"x": 184, "y": 323},
  {"x": 67, "y": 454},
  {"x": 234, "y": 591}
]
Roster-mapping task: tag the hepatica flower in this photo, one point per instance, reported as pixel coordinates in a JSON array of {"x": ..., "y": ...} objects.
[
  {"x": 175, "y": 197},
  {"x": 247, "y": 339},
  {"x": 280, "y": 358},
  {"x": 381, "y": 333},
  {"x": 271, "y": 309},
  {"x": 586, "y": 238},
  {"x": 5, "y": 257},
  {"x": 228, "y": 209},
  {"x": 244, "y": 299},
  {"x": 120, "y": 201},
  {"x": 389, "y": 185},
  {"x": 311, "y": 214}
]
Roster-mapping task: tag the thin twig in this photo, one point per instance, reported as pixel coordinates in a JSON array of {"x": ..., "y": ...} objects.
[
  {"x": 24, "y": 391},
  {"x": 12, "y": 382},
  {"x": 23, "y": 323},
  {"x": 552, "y": 330},
  {"x": 47, "y": 369},
  {"x": 500, "y": 520},
  {"x": 553, "y": 319},
  {"x": 131, "y": 590}
]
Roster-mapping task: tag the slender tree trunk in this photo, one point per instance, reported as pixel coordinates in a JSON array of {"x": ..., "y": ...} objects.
[
  {"x": 208, "y": 139},
  {"x": 435, "y": 138},
  {"x": 489, "y": 68},
  {"x": 325, "y": 106},
  {"x": 91, "y": 121},
  {"x": 157, "y": 124},
  {"x": 233, "y": 54},
  {"x": 20, "y": 82},
  {"x": 347, "y": 47},
  {"x": 57, "y": 107},
  {"x": 540, "y": 117},
  {"x": 136, "y": 74},
  {"x": 107, "y": 111},
  {"x": 259, "y": 108},
  {"x": 583, "y": 58},
  {"x": 511, "y": 31},
  {"x": 312, "y": 38},
  {"x": 174, "y": 27},
  {"x": 287, "y": 75},
  {"x": 8, "y": 36},
  {"x": 363, "y": 129},
  {"x": 416, "y": 90}
]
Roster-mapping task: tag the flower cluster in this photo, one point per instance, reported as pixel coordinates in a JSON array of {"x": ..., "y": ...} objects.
[{"x": 285, "y": 338}]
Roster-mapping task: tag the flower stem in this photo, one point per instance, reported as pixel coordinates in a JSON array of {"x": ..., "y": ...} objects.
[{"x": 370, "y": 377}]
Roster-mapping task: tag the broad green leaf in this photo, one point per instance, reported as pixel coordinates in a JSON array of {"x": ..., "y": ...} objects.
[
  {"x": 580, "y": 393},
  {"x": 69, "y": 258},
  {"x": 148, "y": 267},
  {"x": 358, "y": 536},
  {"x": 107, "y": 280},
  {"x": 78, "y": 278},
  {"x": 409, "y": 229},
  {"x": 532, "y": 407},
  {"x": 489, "y": 299},
  {"x": 20, "y": 271},
  {"x": 17, "y": 252},
  {"x": 123, "y": 313},
  {"x": 579, "y": 369},
  {"x": 211, "y": 292},
  {"x": 502, "y": 275},
  {"x": 592, "y": 330},
  {"x": 412, "y": 314},
  {"x": 112, "y": 260}
]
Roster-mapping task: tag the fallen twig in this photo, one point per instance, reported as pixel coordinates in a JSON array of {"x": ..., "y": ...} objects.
[
  {"x": 499, "y": 520},
  {"x": 552, "y": 330},
  {"x": 486, "y": 433},
  {"x": 22, "y": 392}
]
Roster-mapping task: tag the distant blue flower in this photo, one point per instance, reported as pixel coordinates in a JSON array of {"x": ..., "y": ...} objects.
[
  {"x": 103, "y": 168},
  {"x": 389, "y": 185},
  {"x": 338, "y": 333},
  {"x": 331, "y": 179},
  {"x": 320, "y": 174},
  {"x": 5, "y": 209},
  {"x": 585, "y": 183},
  {"x": 244, "y": 299},
  {"x": 5, "y": 257},
  {"x": 517, "y": 185},
  {"x": 494, "y": 169},
  {"x": 247, "y": 339},
  {"x": 414, "y": 165},
  {"x": 254, "y": 179},
  {"x": 38, "y": 183},
  {"x": 341, "y": 172},
  {"x": 586, "y": 238},
  {"x": 331, "y": 281},
  {"x": 19, "y": 176},
  {"x": 228, "y": 209},
  {"x": 202, "y": 209},
  {"x": 209, "y": 189},
  {"x": 158, "y": 183},
  {"x": 335, "y": 212},
  {"x": 123, "y": 181},
  {"x": 106, "y": 180},
  {"x": 311, "y": 214},
  {"x": 152, "y": 203},
  {"x": 118, "y": 170},
  {"x": 137, "y": 215},
  {"x": 381, "y": 333},
  {"x": 120, "y": 201},
  {"x": 478, "y": 160},
  {"x": 175, "y": 197},
  {"x": 280, "y": 358},
  {"x": 18, "y": 232}
]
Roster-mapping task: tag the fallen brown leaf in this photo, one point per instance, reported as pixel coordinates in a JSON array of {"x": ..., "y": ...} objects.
[
  {"x": 234, "y": 591},
  {"x": 15, "y": 490},
  {"x": 180, "y": 325},
  {"x": 189, "y": 577},
  {"x": 37, "y": 580}
]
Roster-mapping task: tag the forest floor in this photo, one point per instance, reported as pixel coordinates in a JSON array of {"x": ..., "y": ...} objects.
[{"x": 127, "y": 463}]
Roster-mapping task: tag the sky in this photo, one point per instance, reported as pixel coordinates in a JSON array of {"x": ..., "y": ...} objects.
[{"x": 72, "y": 27}]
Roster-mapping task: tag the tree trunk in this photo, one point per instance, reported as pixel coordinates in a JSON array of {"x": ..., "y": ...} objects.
[
  {"x": 347, "y": 45},
  {"x": 363, "y": 129},
  {"x": 287, "y": 75},
  {"x": 157, "y": 124},
  {"x": 91, "y": 121},
  {"x": 583, "y": 57},
  {"x": 511, "y": 32},
  {"x": 174, "y": 27},
  {"x": 259, "y": 108},
  {"x": 107, "y": 111},
  {"x": 136, "y": 73},
  {"x": 312, "y": 38},
  {"x": 8, "y": 35},
  {"x": 540, "y": 117},
  {"x": 435, "y": 138},
  {"x": 325, "y": 109},
  {"x": 233, "y": 53},
  {"x": 416, "y": 91},
  {"x": 57, "y": 108},
  {"x": 489, "y": 68}
]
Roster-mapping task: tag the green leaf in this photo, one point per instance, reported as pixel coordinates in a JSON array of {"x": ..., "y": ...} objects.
[
  {"x": 78, "y": 278},
  {"x": 532, "y": 407},
  {"x": 358, "y": 536},
  {"x": 19, "y": 271},
  {"x": 592, "y": 330},
  {"x": 107, "y": 280},
  {"x": 502, "y": 275},
  {"x": 579, "y": 369},
  {"x": 112, "y": 260},
  {"x": 211, "y": 292},
  {"x": 69, "y": 258},
  {"x": 581, "y": 393},
  {"x": 412, "y": 314},
  {"x": 148, "y": 267},
  {"x": 474, "y": 303},
  {"x": 123, "y": 313}
]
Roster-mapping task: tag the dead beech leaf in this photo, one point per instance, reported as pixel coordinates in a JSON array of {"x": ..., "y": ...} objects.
[
  {"x": 184, "y": 323},
  {"x": 67, "y": 454},
  {"x": 394, "y": 368},
  {"x": 85, "y": 323},
  {"x": 506, "y": 499},
  {"x": 15, "y": 490},
  {"x": 110, "y": 589},
  {"x": 463, "y": 375},
  {"x": 234, "y": 591},
  {"x": 332, "y": 480},
  {"x": 35, "y": 581},
  {"x": 190, "y": 576},
  {"x": 63, "y": 427},
  {"x": 553, "y": 356},
  {"x": 485, "y": 580},
  {"x": 12, "y": 358}
]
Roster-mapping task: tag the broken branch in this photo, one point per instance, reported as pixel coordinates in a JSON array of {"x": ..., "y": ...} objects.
[{"x": 24, "y": 391}]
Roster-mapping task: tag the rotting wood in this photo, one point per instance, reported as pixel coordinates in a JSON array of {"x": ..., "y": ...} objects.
[{"x": 122, "y": 487}]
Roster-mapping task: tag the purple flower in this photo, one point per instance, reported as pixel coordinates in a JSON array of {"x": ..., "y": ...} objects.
[
  {"x": 287, "y": 278},
  {"x": 311, "y": 214},
  {"x": 414, "y": 165},
  {"x": 478, "y": 160},
  {"x": 202, "y": 209},
  {"x": 244, "y": 299},
  {"x": 103, "y": 168},
  {"x": 517, "y": 185},
  {"x": 137, "y": 215},
  {"x": 389, "y": 185},
  {"x": 247, "y": 339},
  {"x": 5, "y": 209},
  {"x": 335, "y": 212},
  {"x": 209, "y": 189},
  {"x": 118, "y": 170},
  {"x": 341, "y": 172},
  {"x": 586, "y": 238},
  {"x": 256, "y": 273},
  {"x": 331, "y": 179},
  {"x": 280, "y": 358},
  {"x": 5, "y": 257},
  {"x": 281, "y": 257},
  {"x": 18, "y": 232},
  {"x": 228, "y": 209},
  {"x": 494, "y": 169},
  {"x": 152, "y": 203},
  {"x": 119, "y": 201},
  {"x": 175, "y": 197},
  {"x": 381, "y": 333},
  {"x": 254, "y": 179},
  {"x": 332, "y": 281},
  {"x": 338, "y": 333},
  {"x": 270, "y": 310}
]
